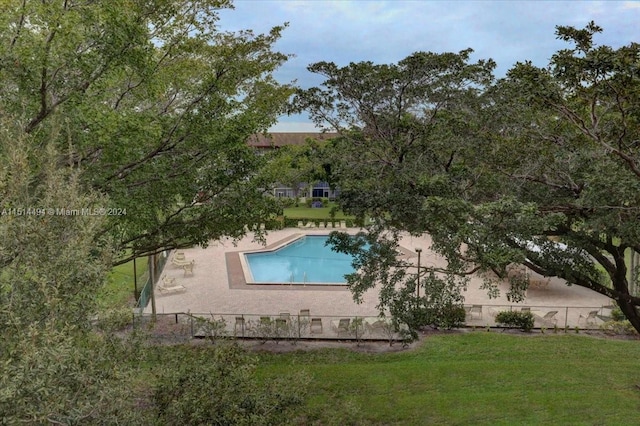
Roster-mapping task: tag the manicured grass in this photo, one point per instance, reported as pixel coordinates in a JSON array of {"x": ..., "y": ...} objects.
[
  {"x": 473, "y": 378},
  {"x": 118, "y": 291},
  {"x": 304, "y": 212}
]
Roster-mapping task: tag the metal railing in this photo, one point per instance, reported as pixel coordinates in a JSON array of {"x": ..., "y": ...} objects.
[
  {"x": 583, "y": 317},
  {"x": 286, "y": 326},
  {"x": 279, "y": 327}
]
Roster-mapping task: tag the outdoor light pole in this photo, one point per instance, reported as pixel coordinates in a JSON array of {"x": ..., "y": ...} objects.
[{"x": 418, "y": 250}]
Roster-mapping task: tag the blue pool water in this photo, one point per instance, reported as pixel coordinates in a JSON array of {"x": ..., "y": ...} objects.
[{"x": 305, "y": 260}]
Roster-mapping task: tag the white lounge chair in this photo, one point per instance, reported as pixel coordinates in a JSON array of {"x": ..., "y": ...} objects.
[
  {"x": 316, "y": 326},
  {"x": 590, "y": 318},
  {"x": 168, "y": 285},
  {"x": 188, "y": 267},
  {"x": 549, "y": 319}
]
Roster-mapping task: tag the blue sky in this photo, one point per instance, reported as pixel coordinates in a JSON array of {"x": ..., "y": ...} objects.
[{"x": 388, "y": 31}]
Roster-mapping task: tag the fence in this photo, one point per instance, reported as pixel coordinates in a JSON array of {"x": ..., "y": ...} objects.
[
  {"x": 285, "y": 326},
  {"x": 585, "y": 317},
  {"x": 145, "y": 293}
]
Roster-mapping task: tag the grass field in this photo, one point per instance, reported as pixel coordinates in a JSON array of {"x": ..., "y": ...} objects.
[
  {"x": 473, "y": 378},
  {"x": 304, "y": 212},
  {"x": 118, "y": 291}
]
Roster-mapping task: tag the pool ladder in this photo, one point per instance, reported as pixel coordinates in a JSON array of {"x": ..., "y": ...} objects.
[{"x": 304, "y": 278}]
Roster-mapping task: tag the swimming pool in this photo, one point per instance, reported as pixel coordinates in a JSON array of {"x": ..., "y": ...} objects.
[{"x": 306, "y": 260}]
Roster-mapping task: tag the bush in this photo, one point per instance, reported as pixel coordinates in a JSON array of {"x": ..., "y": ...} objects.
[
  {"x": 220, "y": 387},
  {"x": 114, "y": 319},
  {"x": 452, "y": 316},
  {"x": 446, "y": 316},
  {"x": 517, "y": 319}
]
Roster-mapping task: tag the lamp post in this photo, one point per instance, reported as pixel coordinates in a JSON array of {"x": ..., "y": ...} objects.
[{"x": 418, "y": 250}]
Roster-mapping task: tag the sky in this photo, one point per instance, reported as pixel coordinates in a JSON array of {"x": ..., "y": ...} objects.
[{"x": 387, "y": 31}]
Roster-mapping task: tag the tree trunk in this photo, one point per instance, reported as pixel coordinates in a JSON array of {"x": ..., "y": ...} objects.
[{"x": 630, "y": 312}]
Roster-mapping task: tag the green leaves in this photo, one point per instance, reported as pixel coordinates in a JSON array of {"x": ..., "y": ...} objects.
[
  {"x": 158, "y": 104},
  {"x": 540, "y": 168}
]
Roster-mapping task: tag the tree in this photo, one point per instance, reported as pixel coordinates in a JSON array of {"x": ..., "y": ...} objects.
[
  {"x": 158, "y": 103},
  {"x": 51, "y": 266},
  {"x": 405, "y": 129},
  {"x": 52, "y": 262},
  {"x": 540, "y": 168},
  {"x": 571, "y": 131}
]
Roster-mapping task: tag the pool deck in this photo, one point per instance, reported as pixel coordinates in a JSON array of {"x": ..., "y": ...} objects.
[{"x": 217, "y": 284}]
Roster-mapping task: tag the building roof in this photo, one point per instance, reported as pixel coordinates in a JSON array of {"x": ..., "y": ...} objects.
[{"x": 275, "y": 140}]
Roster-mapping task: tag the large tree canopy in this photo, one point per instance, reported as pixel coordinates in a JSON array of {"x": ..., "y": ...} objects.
[
  {"x": 405, "y": 131},
  {"x": 539, "y": 168},
  {"x": 158, "y": 103}
]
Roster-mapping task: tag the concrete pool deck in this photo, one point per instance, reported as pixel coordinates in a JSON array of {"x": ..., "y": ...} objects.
[{"x": 217, "y": 285}]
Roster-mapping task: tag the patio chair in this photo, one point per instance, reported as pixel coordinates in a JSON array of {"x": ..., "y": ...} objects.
[
  {"x": 590, "y": 319},
  {"x": 343, "y": 224},
  {"x": 316, "y": 326},
  {"x": 300, "y": 224},
  {"x": 265, "y": 320},
  {"x": 476, "y": 312},
  {"x": 550, "y": 318},
  {"x": 285, "y": 316},
  {"x": 168, "y": 281},
  {"x": 188, "y": 268},
  {"x": 343, "y": 326},
  {"x": 168, "y": 286},
  {"x": 305, "y": 313},
  {"x": 378, "y": 326},
  {"x": 179, "y": 256}
]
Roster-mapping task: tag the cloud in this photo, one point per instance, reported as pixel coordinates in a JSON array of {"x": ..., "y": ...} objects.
[
  {"x": 388, "y": 31},
  {"x": 631, "y": 5}
]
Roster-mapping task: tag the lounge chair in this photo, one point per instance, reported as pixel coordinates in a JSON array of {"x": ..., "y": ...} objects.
[
  {"x": 168, "y": 281},
  {"x": 549, "y": 318},
  {"x": 180, "y": 262},
  {"x": 285, "y": 316},
  {"x": 343, "y": 224},
  {"x": 168, "y": 286},
  {"x": 300, "y": 224},
  {"x": 188, "y": 268},
  {"x": 377, "y": 326},
  {"x": 265, "y": 320},
  {"x": 342, "y": 326},
  {"x": 476, "y": 311},
  {"x": 179, "y": 256},
  {"x": 590, "y": 319},
  {"x": 316, "y": 326}
]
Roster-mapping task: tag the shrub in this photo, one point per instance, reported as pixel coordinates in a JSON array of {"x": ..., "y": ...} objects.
[
  {"x": 220, "y": 387},
  {"x": 445, "y": 316},
  {"x": 517, "y": 319},
  {"x": 114, "y": 319}
]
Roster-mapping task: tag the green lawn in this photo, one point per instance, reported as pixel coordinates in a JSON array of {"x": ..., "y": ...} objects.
[
  {"x": 304, "y": 212},
  {"x": 118, "y": 291},
  {"x": 473, "y": 378}
]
